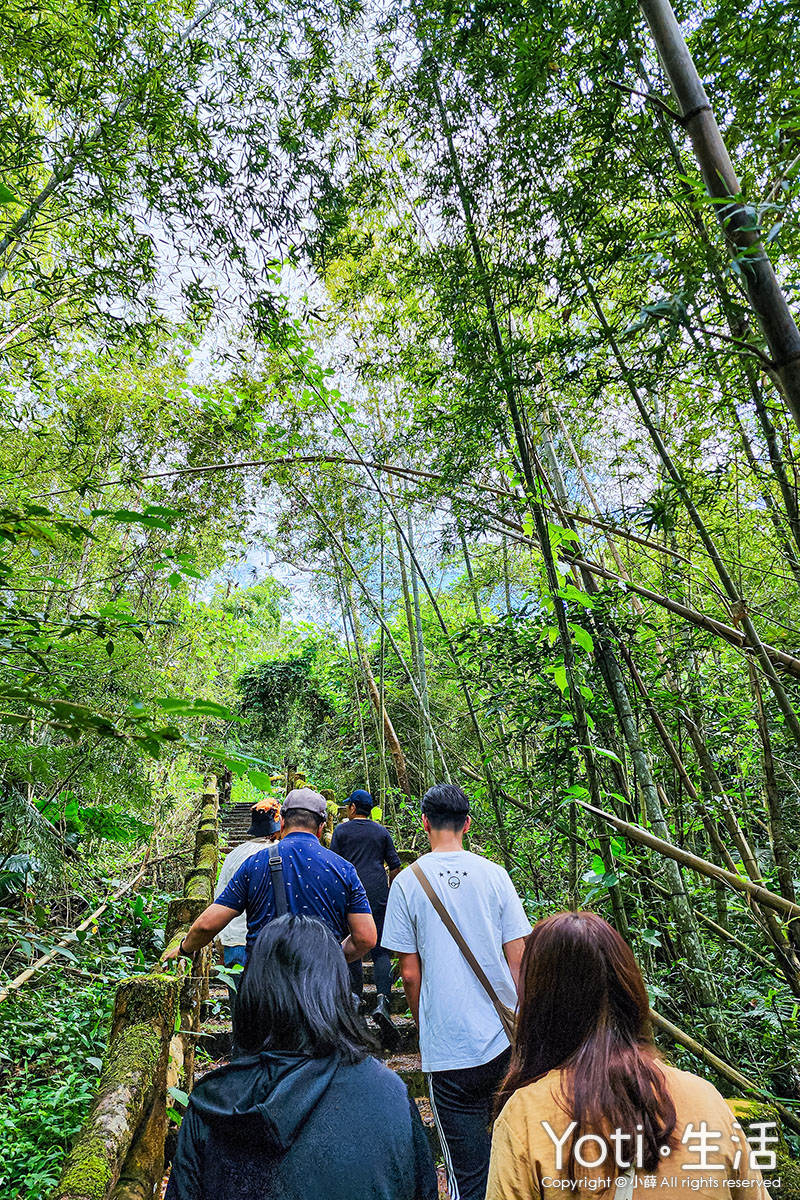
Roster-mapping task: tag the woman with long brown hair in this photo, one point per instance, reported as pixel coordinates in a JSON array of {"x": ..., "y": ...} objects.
[{"x": 588, "y": 1106}]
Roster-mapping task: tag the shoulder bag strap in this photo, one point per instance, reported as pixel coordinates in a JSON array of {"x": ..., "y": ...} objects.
[
  {"x": 503, "y": 1010},
  {"x": 278, "y": 885}
]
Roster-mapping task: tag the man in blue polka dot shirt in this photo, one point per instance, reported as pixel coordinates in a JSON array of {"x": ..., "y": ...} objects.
[{"x": 318, "y": 884}]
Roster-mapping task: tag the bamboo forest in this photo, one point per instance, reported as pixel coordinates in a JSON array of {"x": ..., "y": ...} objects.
[{"x": 396, "y": 392}]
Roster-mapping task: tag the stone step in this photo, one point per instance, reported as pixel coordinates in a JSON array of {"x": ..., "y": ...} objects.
[
  {"x": 218, "y": 994},
  {"x": 217, "y": 1039},
  {"x": 409, "y": 1068},
  {"x": 398, "y": 1000},
  {"x": 409, "y": 1037},
  {"x": 429, "y": 1125},
  {"x": 217, "y": 1008},
  {"x": 369, "y": 973}
]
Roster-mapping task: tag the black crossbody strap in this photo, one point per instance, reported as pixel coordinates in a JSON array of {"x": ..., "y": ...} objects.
[{"x": 278, "y": 885}]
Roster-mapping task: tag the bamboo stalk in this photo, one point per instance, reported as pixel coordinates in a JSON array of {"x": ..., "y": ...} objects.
[
  {"x": 778, "y": 658},
  {"x": 421, "y": 663},
  {"x": 338, "y": 544},
  {"x": 736, "y": 602},
  {"x": 722, "y": 1068},
  {"x": 702, "y": 977},
  {"x": 697, "y": 117},
  {"x": 696, "y": 863},
  {"x": 35, "y": 967},
  {"x": 720, "y": 930}
]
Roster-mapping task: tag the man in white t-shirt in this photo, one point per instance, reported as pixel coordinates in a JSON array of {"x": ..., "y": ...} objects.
[
  {"x": 264, "y": 828},
  {"x": 465, "y": 1051}
]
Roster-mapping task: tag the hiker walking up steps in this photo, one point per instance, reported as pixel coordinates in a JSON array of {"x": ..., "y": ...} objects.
[
  {"x": 265, "y": 827},
  {"x": 305, "y": 1113},
  {"x": 462, "y": 1020},
  {"x": 297, "y": 875},
  {"x": 369, "y": 847}
]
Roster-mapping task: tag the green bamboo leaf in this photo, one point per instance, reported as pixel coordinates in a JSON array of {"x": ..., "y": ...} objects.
[{"x": 583, "y": 638}]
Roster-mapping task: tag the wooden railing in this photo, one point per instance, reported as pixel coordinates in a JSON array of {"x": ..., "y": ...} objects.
[{"x": 118, "y": 1153}]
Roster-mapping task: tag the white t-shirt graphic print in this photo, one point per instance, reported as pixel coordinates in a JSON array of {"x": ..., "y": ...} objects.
[{"x": 459, "y": 1026}]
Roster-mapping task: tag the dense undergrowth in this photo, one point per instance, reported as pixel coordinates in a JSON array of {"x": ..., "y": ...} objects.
[
  {"x": 54, "y": 1033},
  {"x": 438, "y": 437}
]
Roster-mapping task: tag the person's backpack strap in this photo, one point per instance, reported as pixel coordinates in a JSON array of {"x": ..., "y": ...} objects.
[
  {"x": 506, "y": 1014},
  {"x": 278, "y": 885}
]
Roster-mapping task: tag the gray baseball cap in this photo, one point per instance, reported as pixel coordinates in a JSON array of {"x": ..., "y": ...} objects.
[{"x": 308, "y": 799}]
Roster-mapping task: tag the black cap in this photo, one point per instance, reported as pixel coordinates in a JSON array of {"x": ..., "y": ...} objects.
[
  {"x": 263, "y": 823},
  {"x": 362, "y": 800}
]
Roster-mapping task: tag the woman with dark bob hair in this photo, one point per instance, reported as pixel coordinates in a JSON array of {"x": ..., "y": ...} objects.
[
  {"x": 588, "y": 1107},
  {"x": 305, "y": 1112}
]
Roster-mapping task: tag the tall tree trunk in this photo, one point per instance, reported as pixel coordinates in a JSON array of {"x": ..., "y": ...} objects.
[
  {"x": 422, "y": 670},
  {"x": 389, "y": 732},
  {"x": 766, "y": 296},
  {"x": 701, "y": 976}
]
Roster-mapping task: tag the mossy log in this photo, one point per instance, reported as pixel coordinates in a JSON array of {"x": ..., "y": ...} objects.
[
  {"x": 120, "y": 1147},
  {"x": 141, "y": 1026},
  {"x": 333, "y": 813},
  {"x": 199, "y": 882},
  {"x": 205, "y": 837},
  {"x": 143, "y": 1168},
  {"x": 175, "y": 1062},
  {"x": 208, "y": 816},
  {"x": 194, "y": 994},
  {"x": 144, "y": 1165},
  {"x": 181, "y": 913},
  {"x": 748, "y": 1112},
  {"x": 207, "y": 827}
]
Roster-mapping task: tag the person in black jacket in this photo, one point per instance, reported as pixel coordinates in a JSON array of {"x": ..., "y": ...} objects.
[
  {"x": 369, "y": 847},
  {"x": 287, "y": 1121}
]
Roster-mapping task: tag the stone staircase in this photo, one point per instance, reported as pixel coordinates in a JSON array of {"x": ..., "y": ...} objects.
[{"x": 234, "y": 821}]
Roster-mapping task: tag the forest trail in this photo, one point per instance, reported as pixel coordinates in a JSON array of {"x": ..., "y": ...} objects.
[
  {"x": 161, "y": 1018},
  {"x": 216, "y": 1032}
]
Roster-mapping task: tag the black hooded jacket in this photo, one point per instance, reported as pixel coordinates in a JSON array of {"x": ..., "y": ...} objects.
[{"x": 286, "y": 1127}]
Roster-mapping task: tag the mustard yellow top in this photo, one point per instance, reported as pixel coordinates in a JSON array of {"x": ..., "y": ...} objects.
[{"x": 700, "y": 1166}]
